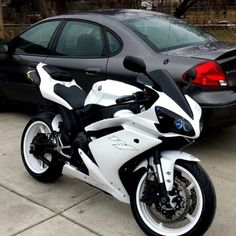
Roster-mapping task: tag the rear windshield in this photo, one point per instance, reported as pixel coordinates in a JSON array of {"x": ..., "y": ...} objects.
[{"x": 166, "y": 32}]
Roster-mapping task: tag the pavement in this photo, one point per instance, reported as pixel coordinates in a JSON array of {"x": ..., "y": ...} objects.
[{"x": 70, "y": 207}]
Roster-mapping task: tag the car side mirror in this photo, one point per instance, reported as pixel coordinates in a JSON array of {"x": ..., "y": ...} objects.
[{"x": 134, "y": 64}]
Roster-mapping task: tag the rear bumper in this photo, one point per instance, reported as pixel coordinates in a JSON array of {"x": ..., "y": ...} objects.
[
  {"x": 219, "y": 116},
  {"x": 218, "y": 108}
]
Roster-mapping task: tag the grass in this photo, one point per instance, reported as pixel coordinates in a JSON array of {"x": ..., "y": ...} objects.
[{"x": 225, "y": 33}]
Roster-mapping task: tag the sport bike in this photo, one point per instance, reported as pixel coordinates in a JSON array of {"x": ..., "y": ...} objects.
[{"x": 119, "y": 138}]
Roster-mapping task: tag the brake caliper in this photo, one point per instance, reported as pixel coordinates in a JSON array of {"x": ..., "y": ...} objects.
[{"x": 154, "y": 192}]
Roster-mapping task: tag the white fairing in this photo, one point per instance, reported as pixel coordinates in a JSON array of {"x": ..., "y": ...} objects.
[
  {"x": 138, "y": 134},
  {"x": 106, "y": 92},
  {"x": 115, "y": 150},
  {"x": 146, "y": 120},
  {"x": 47, "y": 87}
]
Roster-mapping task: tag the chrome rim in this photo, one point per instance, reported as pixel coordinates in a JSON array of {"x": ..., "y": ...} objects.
[
  {"x": 35, "y": 165},
  {"x": 191, "y": 192}
]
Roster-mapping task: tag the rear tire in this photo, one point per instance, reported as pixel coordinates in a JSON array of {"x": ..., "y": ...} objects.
[
  {"x": 194, "y": 214},
  {"x": 37, "y": 168}
]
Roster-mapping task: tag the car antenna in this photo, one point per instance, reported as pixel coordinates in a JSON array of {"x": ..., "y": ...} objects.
[{"x": 166, "y": 61}]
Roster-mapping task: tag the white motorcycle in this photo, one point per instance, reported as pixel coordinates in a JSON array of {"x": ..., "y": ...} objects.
[{"x": 118, "y": 139}]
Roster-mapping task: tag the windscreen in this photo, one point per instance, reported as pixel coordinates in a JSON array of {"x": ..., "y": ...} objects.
[
  {"x": 163, "y": 81},
  {"x": 164, "y": 32}
]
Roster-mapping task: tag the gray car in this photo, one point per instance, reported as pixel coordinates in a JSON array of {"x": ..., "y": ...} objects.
[{"x": 92, "y": 46}]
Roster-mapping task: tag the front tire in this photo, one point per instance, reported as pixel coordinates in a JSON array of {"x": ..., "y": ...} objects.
[
  {"x": 192, "y": 216},
  {"x": 40, "y": 124}
]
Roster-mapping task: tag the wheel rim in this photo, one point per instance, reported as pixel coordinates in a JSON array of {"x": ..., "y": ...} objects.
[
  {"x": 178, "y": 228},
  {"x": 35, "y": 165}
]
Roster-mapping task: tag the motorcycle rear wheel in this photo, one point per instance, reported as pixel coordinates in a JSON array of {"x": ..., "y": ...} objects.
[
  {"x": 197, "y": 198},
  {"x": 40, "y": 124}
]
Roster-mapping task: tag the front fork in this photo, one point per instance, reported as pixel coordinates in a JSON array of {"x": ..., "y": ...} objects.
[
  {"x": 155, "y": 190},
  {"x": 155, "y": 164},
  {"x": 168, "y": 160},
  {"x": 163, "y": 164}
]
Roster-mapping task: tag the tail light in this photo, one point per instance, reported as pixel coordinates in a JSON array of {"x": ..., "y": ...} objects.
[{"x": 209, "y": 74}]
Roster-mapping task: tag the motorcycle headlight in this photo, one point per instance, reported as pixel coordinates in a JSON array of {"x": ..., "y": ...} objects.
[
  {"x": 183, "y": 124},
  {"x": 179, "y": 123},
  {"x": 171, "y": 122}
]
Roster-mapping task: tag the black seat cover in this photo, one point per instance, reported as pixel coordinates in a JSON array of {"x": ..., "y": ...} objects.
[
  {"x": 57, "y": 73},
  {"x": 74, "y": 95}
]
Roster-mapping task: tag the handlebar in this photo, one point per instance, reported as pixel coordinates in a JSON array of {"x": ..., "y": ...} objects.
[
  {"x": 136, "y": 97},
  {"x": 125, "y": 99}
]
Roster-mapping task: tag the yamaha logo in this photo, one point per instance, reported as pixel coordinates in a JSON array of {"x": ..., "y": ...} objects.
[{"x": 120, "y": 144}]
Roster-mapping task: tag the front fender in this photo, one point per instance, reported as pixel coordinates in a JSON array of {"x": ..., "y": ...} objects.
[{"x": 168, "y": 159}]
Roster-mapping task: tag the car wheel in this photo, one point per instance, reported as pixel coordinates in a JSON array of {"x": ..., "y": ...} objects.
[{"x": 3, "y": 104}]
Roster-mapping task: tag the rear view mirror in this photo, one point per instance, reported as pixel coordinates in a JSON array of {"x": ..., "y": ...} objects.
[
  {"x": 134, "y": 64},
  {"x": 190, "y": 75}
]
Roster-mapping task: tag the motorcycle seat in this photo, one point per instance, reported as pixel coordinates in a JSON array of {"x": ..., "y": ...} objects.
[
  {"x": 57, "y": 73},
  {"x": 73, "y": 95}
]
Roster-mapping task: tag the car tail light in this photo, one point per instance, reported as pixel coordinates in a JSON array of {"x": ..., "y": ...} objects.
[{"x": 208, "y": 73}]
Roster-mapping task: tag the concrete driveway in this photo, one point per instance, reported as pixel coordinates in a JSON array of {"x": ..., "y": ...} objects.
[{"x": 70, "y": 207}]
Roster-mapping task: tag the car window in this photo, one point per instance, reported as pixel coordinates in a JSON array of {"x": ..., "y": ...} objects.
[
  {"x": 81, "y": 39},
  {"x": 36, "y": 39},
  {"x": 114, "y": 42},
  {"x": 166, "y": 32},
  {"x": 3, "y": 47}
]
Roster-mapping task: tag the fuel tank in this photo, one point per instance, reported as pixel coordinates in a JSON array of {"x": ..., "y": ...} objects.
[{"x": 106, "y": 92}]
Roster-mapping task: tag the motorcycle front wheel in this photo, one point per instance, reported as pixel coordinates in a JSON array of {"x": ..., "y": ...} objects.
[{"x": 189, "y": 211}]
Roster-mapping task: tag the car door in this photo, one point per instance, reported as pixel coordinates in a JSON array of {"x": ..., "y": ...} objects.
[
  {"x": 81, "y": 50},
  {"x": 29, "y": 48}
]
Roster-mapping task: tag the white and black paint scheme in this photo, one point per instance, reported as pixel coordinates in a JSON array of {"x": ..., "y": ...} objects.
[{"x": 118, "y": 138}]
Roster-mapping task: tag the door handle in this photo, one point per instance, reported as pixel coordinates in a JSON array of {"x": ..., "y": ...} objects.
[{"x": 92, "y": 71}]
